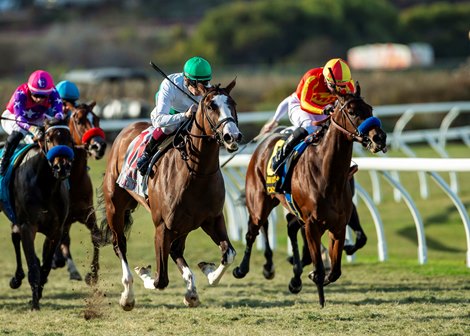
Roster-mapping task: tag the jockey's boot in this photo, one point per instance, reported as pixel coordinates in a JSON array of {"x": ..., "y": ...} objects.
[
  {"x": 144, "y": 160},
  {"x": 10, "y": 145},
  {"x": 293, "y": 139}
]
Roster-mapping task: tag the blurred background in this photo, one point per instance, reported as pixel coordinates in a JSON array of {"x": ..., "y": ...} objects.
[{"x": 400, "y": 51}]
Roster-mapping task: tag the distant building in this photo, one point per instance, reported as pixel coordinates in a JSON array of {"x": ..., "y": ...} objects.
[{"x": 390, "y": 56}]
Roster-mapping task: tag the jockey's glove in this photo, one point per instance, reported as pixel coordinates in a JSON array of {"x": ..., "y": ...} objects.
[
  {"x": 59, "y": 115},
  {"x": 328, "y": 109}
]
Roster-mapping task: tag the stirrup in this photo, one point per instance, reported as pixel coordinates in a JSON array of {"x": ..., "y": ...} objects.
[{"x": 142, "y": 163}]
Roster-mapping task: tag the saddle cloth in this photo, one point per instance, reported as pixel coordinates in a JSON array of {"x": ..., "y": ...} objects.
[
  {"x": 5, "y": 180},
  {"x": 130, "y": 178},
  {"x": 280, "y": 182}
]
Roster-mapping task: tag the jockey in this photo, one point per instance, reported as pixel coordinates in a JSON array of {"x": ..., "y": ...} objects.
[
  {"x": 313, "y": 98},
  {"x": 69, "y": 92},
  {"x": 26, "y": 111},
  {"x": 173, "y": 107}
]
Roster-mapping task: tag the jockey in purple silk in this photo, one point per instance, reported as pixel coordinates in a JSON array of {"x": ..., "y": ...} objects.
[{"x": 29, "y": 105}]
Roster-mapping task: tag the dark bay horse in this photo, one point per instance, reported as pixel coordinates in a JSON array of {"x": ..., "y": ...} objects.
[
  {"x": 185, "y": 191},
  {"x": 88, "y": 139},
  {"x": 319, "y": 186},
  {"x": 40, "y": 199}
]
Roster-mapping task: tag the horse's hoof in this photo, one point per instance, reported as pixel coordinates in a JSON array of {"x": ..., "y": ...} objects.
[
  {"x": 349, "y": 249},
  {"x": 127, "y": 306},
  {"x": 75, "y": 276},
  {"x": 237, "y": 273},
  {"x": 269, "y": 273},
  {"x": 311, "y": 276},
  {"x": 91, "y": 279},
  {"x": 191, "y": 300},
  {"x": 206, "y": 267},
  {"x": 295, "y": 286},
  {"x": 15, "y": 283}
]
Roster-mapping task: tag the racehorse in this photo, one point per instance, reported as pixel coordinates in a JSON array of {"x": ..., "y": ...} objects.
[
  {"x": 40, "y": 200},
  {"x": 185, "y": 191},
  {"x": 88, "y": 139},
  {"x": 319, "y": 187}
]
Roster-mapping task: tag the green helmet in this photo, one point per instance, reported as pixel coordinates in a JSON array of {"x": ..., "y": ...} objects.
[{"x": 197, "y": 68}]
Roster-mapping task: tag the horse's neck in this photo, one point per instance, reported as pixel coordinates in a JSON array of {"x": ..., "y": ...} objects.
[
  {"x": 76, "y": 136},
  {"x": 203, "y": 151},
  {"x": 336, "y": 151}
]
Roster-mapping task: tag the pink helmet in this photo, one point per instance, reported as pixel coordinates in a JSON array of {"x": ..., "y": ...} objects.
[{"x": 40, "y": 82}]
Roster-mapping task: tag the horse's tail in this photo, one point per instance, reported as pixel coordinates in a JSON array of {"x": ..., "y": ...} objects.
[{"x": 106, "y": 233}]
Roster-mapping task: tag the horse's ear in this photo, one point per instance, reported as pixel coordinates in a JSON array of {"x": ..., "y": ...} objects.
[
  {"x": 231, "y": 85},
  {"x": 358, "y": 89},
  {"x": 92, "y": 104}
]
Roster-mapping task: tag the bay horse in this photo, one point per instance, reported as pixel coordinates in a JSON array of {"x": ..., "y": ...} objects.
[
  {"x": 185, "y": 191},
  {"x": 40, "y": 201},
  {"x": 319, "y": 186},
  {"x": 89, "y": 141}
]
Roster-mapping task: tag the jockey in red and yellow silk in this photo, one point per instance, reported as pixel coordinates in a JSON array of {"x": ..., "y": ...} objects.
[{"x": 314, "y": 90}]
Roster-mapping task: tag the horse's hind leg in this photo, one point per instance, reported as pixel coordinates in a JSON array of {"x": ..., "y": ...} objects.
[
  {"x": 218, "y": 232},
  {"x": 293, "y": 227},
  {"x": 268, "y": 267},
  {"x": 17, "y": 279},
  {"x": 191, "y": 298},
  {"x": 91, "y": 277},
  {"x": 115, "y": 214}
]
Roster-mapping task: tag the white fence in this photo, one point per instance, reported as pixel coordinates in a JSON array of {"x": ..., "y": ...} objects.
[
  {"x": 399, "y": 139},
  {"x": 237, "y": 215}
]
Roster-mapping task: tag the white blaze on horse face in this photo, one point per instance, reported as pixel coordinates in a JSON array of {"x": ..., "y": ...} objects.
[{"x": 230, "y": 127}]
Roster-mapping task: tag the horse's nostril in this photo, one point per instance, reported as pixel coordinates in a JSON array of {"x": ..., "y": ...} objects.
[
  {"x": 228, "y": 138},
  {"x": 239, "y": 137}
]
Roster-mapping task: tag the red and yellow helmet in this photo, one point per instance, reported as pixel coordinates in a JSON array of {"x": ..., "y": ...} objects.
[{"x": 338, "y": 75}]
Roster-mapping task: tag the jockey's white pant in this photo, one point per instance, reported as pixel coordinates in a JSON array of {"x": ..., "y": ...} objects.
[{"x": 297, "y": 116}]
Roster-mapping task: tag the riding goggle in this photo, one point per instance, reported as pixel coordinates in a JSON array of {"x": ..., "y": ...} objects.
[
  {"x": 194, "y": 83},
  {"x": 39, "y": 96}
]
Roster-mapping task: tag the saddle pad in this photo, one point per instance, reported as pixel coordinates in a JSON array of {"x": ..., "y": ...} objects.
[
  {"x": 130, "y": 178},
  {"x": 5, "y": 181},
  {"x": 271, "y": 177}
]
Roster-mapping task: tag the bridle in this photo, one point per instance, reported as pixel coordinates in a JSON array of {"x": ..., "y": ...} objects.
[
  {"x": 216, "y": 128},
  {"x": 359, "y": 135}
]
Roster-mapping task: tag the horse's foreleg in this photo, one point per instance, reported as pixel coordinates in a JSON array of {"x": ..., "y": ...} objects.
[
  {"x": 361, "y": 238},
  {"x": 313, "y": 236},
  {"x": 48, "y": 249},
  {"x": 218, "y": 232},
  {"x": 191, "y": 298},
  {"x": 34, "y": 267},
  {"x": 242, "y": 270},
  {"x": 63, "y": 252},
  {"x": 17, "y": 279},
  {"x": 293, "y": 226},
  {"x": 162, "y": 241},
  {"x": 336, "y": 250}
]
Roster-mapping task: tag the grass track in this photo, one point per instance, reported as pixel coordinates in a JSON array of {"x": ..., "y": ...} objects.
[{"x": 398, "y": 297}]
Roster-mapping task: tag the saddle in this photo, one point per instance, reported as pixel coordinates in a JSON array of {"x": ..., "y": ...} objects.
[{"x": 16, "y": 159}]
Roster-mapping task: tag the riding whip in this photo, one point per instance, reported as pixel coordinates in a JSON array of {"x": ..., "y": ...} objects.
[{"x": 160, "y": 71}]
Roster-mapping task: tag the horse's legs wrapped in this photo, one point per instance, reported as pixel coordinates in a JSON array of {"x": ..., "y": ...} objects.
[{"x": 217, "y": 231}]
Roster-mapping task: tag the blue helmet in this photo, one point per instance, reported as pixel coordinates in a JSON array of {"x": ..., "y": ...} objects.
[{"x": 68, "y": 90}]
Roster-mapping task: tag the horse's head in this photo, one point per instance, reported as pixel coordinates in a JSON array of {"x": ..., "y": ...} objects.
[
  {"x": 85, "y": 128},
  {"x": 57, "y": 145},
  {"x": 220, "y": 116},
  {"x": 353, "y": 116}
]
